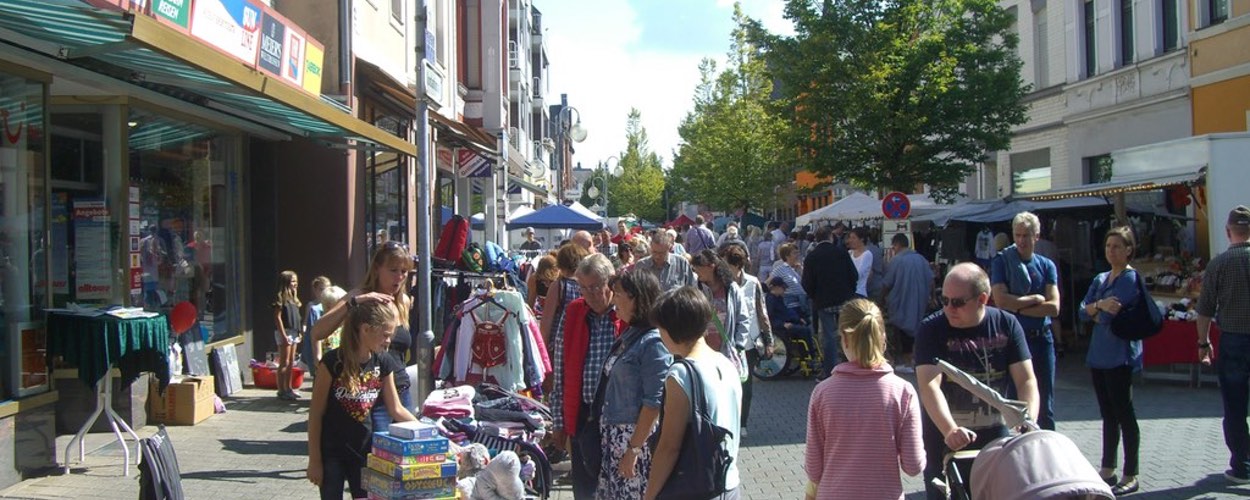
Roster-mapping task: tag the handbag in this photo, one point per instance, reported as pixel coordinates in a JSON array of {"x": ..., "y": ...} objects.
[
  {"x": 1139, "y": 321},
  {"x": 590, "y": 443},
  {"x": 703, "y": 463},
  {"x": 735, "y": 356}
]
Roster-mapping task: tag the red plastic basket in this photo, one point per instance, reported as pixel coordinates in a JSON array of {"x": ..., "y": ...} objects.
[{"x": 266, "y": 378}]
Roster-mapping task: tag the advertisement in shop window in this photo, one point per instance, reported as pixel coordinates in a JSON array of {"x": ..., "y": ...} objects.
[
  {"x": 230, "y": 25},
  {"x": 91, "y": 251}
]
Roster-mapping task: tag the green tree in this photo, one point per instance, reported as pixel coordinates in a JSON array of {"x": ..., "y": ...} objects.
[
  {"x": 897, "y": 93},
  {"x": 639, "y": 189},
  {"x": 733, "y": 152}
]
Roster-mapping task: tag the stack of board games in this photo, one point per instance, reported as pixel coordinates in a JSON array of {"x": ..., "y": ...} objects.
[{"x": 410, "y": 461}]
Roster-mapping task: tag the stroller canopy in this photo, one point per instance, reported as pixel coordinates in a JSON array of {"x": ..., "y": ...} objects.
[{"x": 1034, "y": 465}]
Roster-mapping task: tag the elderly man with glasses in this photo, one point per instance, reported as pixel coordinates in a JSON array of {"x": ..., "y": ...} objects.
[{"x": 983, "y": 341}]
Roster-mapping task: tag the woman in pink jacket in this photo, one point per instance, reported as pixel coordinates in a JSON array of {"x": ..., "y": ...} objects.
[{"x": 863, "y": 423}]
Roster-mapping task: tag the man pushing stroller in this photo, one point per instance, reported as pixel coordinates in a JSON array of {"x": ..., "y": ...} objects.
[{"x": 982, "y": 341}]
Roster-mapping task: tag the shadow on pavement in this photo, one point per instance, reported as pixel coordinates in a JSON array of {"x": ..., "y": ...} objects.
[
  {"x": 265, "y": 404},
  {"x": 1212, "y": 486},
  {"x": 242, "y": 476},
  {"x": 248, "y": 447},
  {"x": 300, "y": 427}
]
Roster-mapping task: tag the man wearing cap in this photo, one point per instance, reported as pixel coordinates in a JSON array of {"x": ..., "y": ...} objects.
[
  {"x": 530, "y": 245},
  {"x": 1224, "y": 298}
]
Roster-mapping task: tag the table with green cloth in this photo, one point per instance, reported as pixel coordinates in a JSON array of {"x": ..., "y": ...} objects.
[{"x": 97, "y": 344}]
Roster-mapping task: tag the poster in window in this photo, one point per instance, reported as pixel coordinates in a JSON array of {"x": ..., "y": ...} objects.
[
  {"x": 59, "y": 244},
  {"x": 33, "y": 369},
  {"x": 91, "y": 251}
]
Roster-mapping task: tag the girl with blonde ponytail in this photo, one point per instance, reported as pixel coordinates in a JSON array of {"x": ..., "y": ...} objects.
[
  {"x": 350, "y": 381},
  {"x": 864, "y": 420}
]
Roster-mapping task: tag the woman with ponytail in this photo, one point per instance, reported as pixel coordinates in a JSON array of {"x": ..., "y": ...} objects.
[
  {"x": 863, "y": 422},
  {"x": 350, "y": 382}
]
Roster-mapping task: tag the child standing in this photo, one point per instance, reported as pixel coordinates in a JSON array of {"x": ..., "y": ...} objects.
[
  {"x": 863, "y": 420},
  {"x": 350, "y": 381},
  {"x": 287, "y": 322},
  {"x": 310, "y": 351}
]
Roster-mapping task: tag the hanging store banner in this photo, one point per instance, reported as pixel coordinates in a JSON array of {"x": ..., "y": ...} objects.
[
  {"x": 174, "y": 12},
  {"x": 272, "y": 45},
  {"x": 472, "y": 164},
  {"x": 293, "y": 63},
  {"x": 314, "y": 56},
  {"x": 233, "y": 26}
]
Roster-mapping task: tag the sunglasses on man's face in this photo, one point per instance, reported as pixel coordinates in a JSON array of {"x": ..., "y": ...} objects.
[{"x": 955, "y": 303}]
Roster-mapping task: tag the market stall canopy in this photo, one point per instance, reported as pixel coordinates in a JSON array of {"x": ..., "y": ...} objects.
[
  {"x": 581, "y": 209},
  {"x": 681, "y": 220},
  {"x": 757, "y": 220},
  {"x": 556, "y": 217},
  {"x": 478, "y": 220},
  {"x": 999, "y": 211},
  {"x": 854, "y": 203}
]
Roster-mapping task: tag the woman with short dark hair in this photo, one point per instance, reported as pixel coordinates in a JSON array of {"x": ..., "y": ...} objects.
[
  {"x": 682, "y": 316},
  {"x": 633, "y": 388}
]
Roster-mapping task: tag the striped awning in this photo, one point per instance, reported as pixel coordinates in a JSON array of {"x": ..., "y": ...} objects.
[{"x": 1116, "y": 187}]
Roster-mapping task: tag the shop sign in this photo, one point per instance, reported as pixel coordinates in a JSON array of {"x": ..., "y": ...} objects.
[
  {"x": 443, "y": 158},
  {"x": 175, "y": 12},
  {"x": 272, "y": 45},
  {"x": 313, "y": 58},
  {"x": 230, "y": 25}
]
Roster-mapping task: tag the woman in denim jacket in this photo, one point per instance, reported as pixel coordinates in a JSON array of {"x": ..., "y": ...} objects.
[{"x": 635, "y": 371}]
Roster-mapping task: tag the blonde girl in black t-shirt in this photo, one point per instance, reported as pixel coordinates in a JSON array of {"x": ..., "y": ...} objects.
[
  {"x": 350, "y": 381},
  {"x": 287, "y": 325}
]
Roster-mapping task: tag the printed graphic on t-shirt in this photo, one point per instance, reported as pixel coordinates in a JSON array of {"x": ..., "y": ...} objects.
[
  {"x": 359, "y": 403},
  {"x": 978, "y": 356}
]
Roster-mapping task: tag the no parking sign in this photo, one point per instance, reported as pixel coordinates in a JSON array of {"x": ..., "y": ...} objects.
[{"x": 896, "y": 205}]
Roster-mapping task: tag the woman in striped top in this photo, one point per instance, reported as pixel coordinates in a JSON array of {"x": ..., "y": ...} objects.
[{"x": 863, "y": 423}]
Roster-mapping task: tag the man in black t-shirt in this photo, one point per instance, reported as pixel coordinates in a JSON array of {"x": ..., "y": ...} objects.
[{"x": 986, "y": 343}]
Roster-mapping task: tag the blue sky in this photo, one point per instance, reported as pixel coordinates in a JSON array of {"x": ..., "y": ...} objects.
[{"x": 610, "y": 55}]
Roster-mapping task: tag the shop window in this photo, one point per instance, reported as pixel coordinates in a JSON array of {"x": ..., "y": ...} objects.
[
  {"x": 387, "y": 210},
  {"x": 23, "y": 251},
  {"x": 183, "y": 197},
  {"x": 1030, "y": 171}
]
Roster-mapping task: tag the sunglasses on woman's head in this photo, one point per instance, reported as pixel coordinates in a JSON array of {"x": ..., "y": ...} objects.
[
  {"x": 956, "y": 303},
  {"x": 395, "y": 244}
]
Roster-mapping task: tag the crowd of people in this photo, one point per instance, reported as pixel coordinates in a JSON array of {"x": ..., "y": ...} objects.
[{"x": 654, "y": 335}]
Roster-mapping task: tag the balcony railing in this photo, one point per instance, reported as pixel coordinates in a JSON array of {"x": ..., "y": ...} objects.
[{"x": 514, "y": 55}]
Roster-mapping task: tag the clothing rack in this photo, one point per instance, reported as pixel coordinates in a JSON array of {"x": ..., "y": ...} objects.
[{"x": 500, "y": 279}]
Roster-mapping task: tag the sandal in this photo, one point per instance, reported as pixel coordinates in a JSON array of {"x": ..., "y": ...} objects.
[{"x": 1129, "y": 485}]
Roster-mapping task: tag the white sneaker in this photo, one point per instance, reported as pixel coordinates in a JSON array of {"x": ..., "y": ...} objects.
[{"x": 744, "y": 432}]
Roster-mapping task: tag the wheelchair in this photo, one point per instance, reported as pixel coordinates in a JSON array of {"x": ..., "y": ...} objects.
[{"x": 793, "y": 353}]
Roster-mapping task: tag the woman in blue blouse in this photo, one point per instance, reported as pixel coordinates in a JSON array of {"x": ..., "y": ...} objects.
[
  {"x": 1113, "y": 360},
  {"x": 634, "y": 388}
]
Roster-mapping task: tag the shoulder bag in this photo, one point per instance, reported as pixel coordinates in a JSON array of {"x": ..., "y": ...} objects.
[
  {"x": 703, "y": 463},
  {"x": 1138, "y": 321},
  {"x": 738, "y": 359}
]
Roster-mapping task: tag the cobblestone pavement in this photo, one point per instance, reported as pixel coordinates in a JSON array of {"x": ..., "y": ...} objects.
[{"x": 257, "y": 449}]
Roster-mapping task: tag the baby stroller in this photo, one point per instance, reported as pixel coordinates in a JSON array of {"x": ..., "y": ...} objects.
[{"x": 1036, "y": 464}]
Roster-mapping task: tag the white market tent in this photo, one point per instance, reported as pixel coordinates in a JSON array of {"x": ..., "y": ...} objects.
[{"x": 859, "y": 206}]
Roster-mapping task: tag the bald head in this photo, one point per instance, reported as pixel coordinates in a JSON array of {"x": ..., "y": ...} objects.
[
  {"x": 967, "y": 277},
  {"x": 584, "y": 240}
]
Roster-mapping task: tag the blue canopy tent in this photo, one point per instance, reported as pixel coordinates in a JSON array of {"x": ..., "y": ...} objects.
[
  {"x": 555, "y": 217},
  {"x": 445, "y": 215}
]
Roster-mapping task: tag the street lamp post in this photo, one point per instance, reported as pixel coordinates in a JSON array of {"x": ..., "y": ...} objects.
[
  {"x": 575, "y": 132},
  {"x": 612, "y": 167}
]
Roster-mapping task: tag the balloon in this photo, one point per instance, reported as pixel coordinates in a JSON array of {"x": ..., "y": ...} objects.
[{"x": 182, "y": 317}]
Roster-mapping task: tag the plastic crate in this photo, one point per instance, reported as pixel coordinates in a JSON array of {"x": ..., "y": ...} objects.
[{"x": 267, "y": 378}]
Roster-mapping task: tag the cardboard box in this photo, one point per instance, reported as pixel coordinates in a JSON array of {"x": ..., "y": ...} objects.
[
  {"x": 387, "y": 487},
  {"x": 412, "y": 472},
  {"x": 436, "y": 458},
  {"x": 186, "y": 402},
  {"x": 409, "y": 447}
]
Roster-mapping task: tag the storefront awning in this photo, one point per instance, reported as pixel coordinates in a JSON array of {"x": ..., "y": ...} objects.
[
  {"x": 142, "y": 50},
  {"x": 465, "y": 136},
  {"x": 513, "y": 180},
  {"x": 1117, "y": 187}
]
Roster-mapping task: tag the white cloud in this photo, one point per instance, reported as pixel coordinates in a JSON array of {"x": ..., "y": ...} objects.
[{"x": 595, "y": 59}]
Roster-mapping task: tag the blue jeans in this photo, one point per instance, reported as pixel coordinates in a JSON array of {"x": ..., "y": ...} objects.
[
  {"x": 1042, "y": 349},
  {"x": 1233, "y": 365},
  {"x": 381, "y": 417},
  {"x": 830, "y": 339}
]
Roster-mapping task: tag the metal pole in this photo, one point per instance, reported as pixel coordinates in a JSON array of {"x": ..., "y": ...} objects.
[{"x": 425, "y": 340}]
